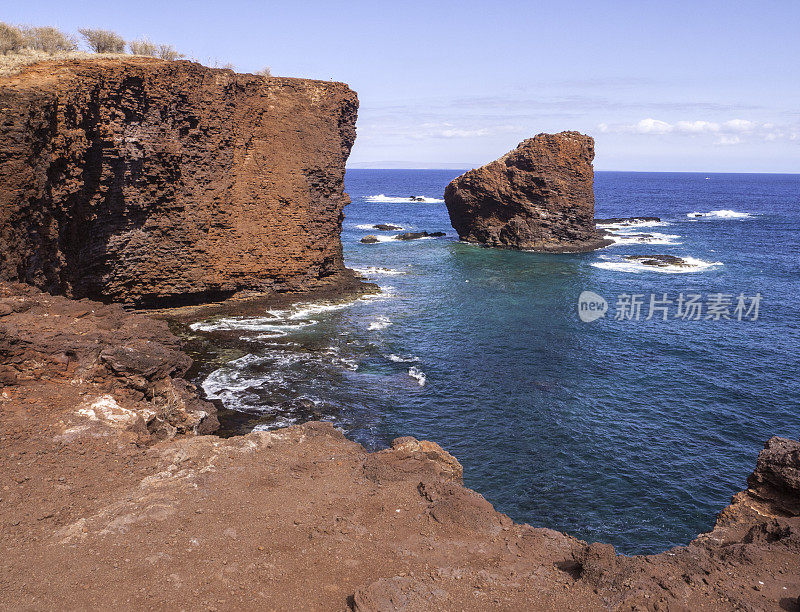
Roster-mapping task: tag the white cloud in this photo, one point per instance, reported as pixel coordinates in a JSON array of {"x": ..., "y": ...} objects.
[
  {"x": 456, "y": 133},
  {"x": 732, "y": 132},
  {"x": 697, "y": 127},
  {"x": 728, "y": 140},
  {"x": 741, "y": 125},
  {"x": 652, "y": 126}
]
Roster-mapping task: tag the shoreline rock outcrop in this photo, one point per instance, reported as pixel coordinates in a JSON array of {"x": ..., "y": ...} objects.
[
  {"x": 157, "y": 183},
  {"x": 538, "y": 197},
  {"x": 128, "y": 368}
]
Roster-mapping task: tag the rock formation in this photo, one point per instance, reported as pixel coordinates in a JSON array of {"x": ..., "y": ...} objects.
[
  {"x": 158, "y": 183},
  {"x": 539, "y": 197}
]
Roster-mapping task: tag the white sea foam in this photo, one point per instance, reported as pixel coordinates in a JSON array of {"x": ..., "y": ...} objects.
[
  {"x": 649, "y": 238},
  {"x": 418, "y": 375},
  {"x": 401, "y": 359},
  {"x": 374, "y": 270},
  {"x": 265, "y": 336},
  {"x": 227, "y": 381},
  {"x": 720, "y": 214},
  {"x": 380, "y": 322},
  {"x": 371, "y": 226},
  {"x": 623, "y": 225},
  {"x": 386, "y": 291},
  {"x": 304, "y": 311},
  {"x": 278, "y": 323},
  {"x": 383, "y": 198},
  {"x": 692, "y": 265},
  {"x": 347, "y": 363},
  {"x": 254, "y": 324}
]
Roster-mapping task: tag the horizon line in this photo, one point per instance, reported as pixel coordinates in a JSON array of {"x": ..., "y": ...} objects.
[{"x": 467, "y": 168}]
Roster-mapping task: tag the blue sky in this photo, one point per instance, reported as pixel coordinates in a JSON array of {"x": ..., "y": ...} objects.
[{"x": 669, "y": 85}]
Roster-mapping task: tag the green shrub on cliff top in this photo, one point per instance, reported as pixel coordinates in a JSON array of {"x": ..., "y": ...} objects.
[
  {"x": 11, "y": 39},
  {"x": 49, "y": 40},
  {"x": 103, "y": 41}
]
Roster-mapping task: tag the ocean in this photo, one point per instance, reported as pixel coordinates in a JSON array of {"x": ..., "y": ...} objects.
[{"x": 629, "y": 429}]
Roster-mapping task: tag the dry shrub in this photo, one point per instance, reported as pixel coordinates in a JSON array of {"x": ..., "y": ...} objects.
[
  {"x": 49, "y": 40},
  {"x": 266, "y": 71},
  {"x": 143, "y": 47},
  {"x": 166, "y": 52},
  {"x": 11, "y": 39},
  {"x": 103, "y": 41}
]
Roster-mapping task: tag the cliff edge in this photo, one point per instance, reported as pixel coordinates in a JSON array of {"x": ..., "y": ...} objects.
[{"x": 157, "y": 183}]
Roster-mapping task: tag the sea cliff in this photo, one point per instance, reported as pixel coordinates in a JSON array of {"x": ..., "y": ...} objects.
[{"x": 158, "y": 183}]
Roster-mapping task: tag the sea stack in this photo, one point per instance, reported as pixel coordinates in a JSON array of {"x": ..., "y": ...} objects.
[{"x": 538, "y": 197}]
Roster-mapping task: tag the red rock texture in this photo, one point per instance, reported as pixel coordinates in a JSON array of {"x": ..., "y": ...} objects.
[
  {"x": 159, "y": 183},
  {"x": 130, "y": 364},
  {"x": 539, "y": 197}
]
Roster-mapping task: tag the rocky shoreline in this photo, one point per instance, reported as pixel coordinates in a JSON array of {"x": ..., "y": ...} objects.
[
  {"x": 206, "y": 193},
  {"x": 112, "y": 493}
]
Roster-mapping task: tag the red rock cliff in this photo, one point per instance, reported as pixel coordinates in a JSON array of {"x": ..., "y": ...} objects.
[{"x": 152, "y": 182}]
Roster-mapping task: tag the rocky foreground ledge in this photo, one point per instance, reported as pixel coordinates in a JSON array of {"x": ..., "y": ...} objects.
[{"x": 111, "y": 496}]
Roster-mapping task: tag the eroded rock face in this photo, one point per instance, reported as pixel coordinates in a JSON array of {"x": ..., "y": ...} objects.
[
  {"x": 777, "y": 476},
  {"x": 158, "y": 183},
  {"x": 540, "y": 197}
]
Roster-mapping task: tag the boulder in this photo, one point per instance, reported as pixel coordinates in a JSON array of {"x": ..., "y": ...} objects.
[
  {"x": 659, "y": 261},
  {"x": 411, "y": 236},
  {"x": 371, "y": 239},
  {"x": 538, "y": 197}
]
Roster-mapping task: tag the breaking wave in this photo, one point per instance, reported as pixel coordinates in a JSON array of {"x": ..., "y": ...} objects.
[
  {"x": 418, "y": 375},
  {"x": 371, "y": 227},
  {"x": 374, "y": 270},
  {"x": 382, "y": 198},
  {"x": 632, "y": 223},
  {"x": 401, "y": 359},
  {"x": 720, "y": 214},
  {"x": 650, "y": 238},
  {"x": 380, "y": 322},
  {"x": 690, "y": 264},
  {"x": 274, "y": 326}
]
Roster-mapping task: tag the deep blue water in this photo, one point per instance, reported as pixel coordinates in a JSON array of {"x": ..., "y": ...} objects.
[{"x": 630, "y": 432}]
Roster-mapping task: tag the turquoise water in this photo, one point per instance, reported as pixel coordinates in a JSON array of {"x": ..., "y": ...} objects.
[{"x": 634, "y": 432}]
